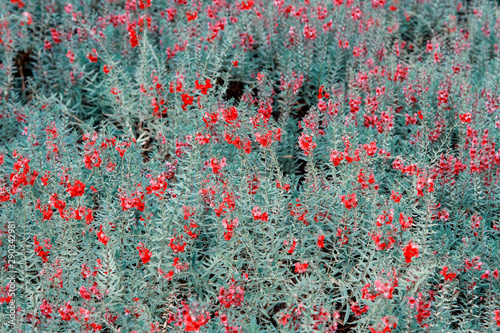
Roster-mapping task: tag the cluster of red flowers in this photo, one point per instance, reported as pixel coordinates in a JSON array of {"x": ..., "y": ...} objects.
[
  {"x": 191, "y": 318},
  {"x": 92, "y": 56},
  {"x": 410, "y": 251},
  {"x": 76, "y": 190},
  {"x": 422, "y": 306},
  {"x": 386, "y": 325},
  {"x": 229, "y": 226},
  {"x": 349, "y": 200},
  {"x": 306, "y": 143},
  {"x": 258, "y": 215},
  {"x": 135, "y": 200},
  {"x": 144, "y": 253},
  {"x": 233, "y": 296},
  {"x": 101, "y": 236},
  {"x": 177, "y": 244},
  {"x": 5, "y": 294},
  {"x": 39, "y": 249},
  {"x": 238, "y": 152},
  {"x": 301, "y": 267}
]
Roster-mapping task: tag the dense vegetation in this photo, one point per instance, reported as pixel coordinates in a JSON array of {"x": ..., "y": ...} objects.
[{"x": 248, "y": 166}]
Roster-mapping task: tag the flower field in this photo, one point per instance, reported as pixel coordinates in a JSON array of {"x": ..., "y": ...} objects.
[{"x": 249, "y": 166}]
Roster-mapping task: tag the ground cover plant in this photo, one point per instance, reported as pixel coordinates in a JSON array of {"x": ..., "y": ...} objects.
[{"x": 249, "y": 166}]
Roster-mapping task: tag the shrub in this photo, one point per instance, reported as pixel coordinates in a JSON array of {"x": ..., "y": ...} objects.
[{"x": 249, "y": 166}]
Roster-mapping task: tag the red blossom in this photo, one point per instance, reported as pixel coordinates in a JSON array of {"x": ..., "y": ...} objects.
[
  {"x": 101, "y": 236},
  {"x": 258, "y": 215},
  {"x": 192, "y": 318},
  {"x": 301, "y": 267},
  {"x": 67, "y": 312},
  {"x": 191, "y": 16},
  {"x": 306, "y": 143},
  {"x": 358, "y": 310},
  {"x": 144, "y": 253},
  {"x": 349, "y": 200},
  {"x": 76, "y": 190},
  {"x": 233, "y": 296},
  {"x": 92, "y": 56},
  {"x": 203, "y": 88},
  {"x": 321, "y": 239},
  {"x": 336, "y": 157},
  {"x": 410, "y": 251}
]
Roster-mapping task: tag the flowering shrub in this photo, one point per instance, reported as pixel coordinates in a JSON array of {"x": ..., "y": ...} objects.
[{"x": 246, "y": 166}]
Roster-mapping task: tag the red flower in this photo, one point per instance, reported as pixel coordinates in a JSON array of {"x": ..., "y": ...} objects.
[
  {"x": 176, "y": 244},
  {"x": 309, "y": 32},
  {"x": 76, "y": 190},
  {"x": 301, "y": 268},
  {"x": 366, "y": 294},
  {"x": 191, "y": 16},
  {"x": 192, "y": 318},
  {"x": 216, "y": 165},
  {"x": 232, "y": 296},
  {"x": 92, "y": 56},
  {"x": 306, "y": 143},
  {"x": 143, "y": 5},
  {"x": 285, "y": 187},
  {"x": 406, "y": 222},
  {"x": 71, "y": 56},
  {"x": 230, "y": 115},
  {"x": 371, "y": 148},
  {"x": 203, "y": 88},
  {"x": 258, "y": 215},
  {"x": 39, "y": 250},
  {"x": 447, "y": 276},
  {"x": 336, "y": 157},
  {"x": 292, "y": 248},
  {"x": 385, "y": 325},
  {"x": 410, "y": 250},
  {"x": 46, "y": 309},
  {"x": 84, "y": 293},
  {"x": 465, "y": 118},
  {"x": 106, "y": 69},
  {"x": 144, "y": 253},
  {"x": 27, "y": 17},
  {"x": 132, "y": 35},
  {"x": 349, "y": 200},
  {"x": 247, "y": 5},
  {"x": 167, "y": 276},
  {"x": 187, "y": 100},
  {"x": 229, "y": 225},
  {"x": 101, "y": 236},
  {"x": 321, "y": 239},
  {"x": 497, "y": 317},
  {"x": 67, "y": 313},
  {"x": 265, "y": 140},
  {"x": 358, "y": 311},
  {"x": 396, "y": 196},
  {"x": 89, "y": 217}
]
